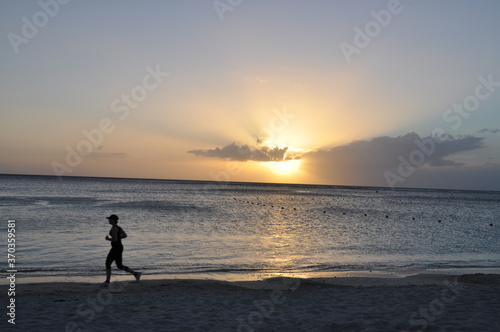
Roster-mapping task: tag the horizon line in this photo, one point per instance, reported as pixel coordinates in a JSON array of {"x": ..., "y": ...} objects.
[{"x": 245, "y": 182}]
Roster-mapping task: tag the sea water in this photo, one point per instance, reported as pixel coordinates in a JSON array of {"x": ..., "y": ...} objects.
[{"x": 205, "y": 229}]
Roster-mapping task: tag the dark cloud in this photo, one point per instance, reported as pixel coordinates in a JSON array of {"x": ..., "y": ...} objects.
[
  {"x": 452, "y": 146},
  {"x": 486, "y": 130},
  {"x": 366, "y": 162},
  {"x": 245, "y": 153},
  {"x": 429, "y": 162}
]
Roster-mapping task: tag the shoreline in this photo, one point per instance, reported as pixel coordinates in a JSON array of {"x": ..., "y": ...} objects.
[
  {"x": 412, "y": 303},
  {"x": 130, "y": 285},
  {"x": 256, "y": 276}
]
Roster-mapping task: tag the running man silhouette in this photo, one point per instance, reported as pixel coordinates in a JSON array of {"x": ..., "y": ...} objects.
[{"x": 116, "y": 234}]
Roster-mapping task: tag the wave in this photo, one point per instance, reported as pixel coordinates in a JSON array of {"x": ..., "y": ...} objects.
[
  {"x": 156, "y": 206},
  {"x": 46, "y": 200},
  {"x": 87, "y": 270}
]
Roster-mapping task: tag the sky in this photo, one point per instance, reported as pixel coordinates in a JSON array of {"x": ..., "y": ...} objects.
[{"x": 366, "y": 93}]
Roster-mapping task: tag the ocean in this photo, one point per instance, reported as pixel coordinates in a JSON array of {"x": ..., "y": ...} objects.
[{"x": 195, "y": 229}]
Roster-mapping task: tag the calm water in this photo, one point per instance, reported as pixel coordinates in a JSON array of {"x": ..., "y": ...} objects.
[{"x": 203, "y": 228}]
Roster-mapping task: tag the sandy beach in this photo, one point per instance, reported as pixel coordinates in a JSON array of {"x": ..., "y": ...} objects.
[{"x": 415, "y": 303}]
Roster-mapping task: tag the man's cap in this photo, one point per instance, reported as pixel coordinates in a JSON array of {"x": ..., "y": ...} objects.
[{"x": 112, "y": 217}]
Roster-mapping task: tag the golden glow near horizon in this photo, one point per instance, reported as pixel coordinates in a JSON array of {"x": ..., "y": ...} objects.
[{"x": 285, "y": 168}]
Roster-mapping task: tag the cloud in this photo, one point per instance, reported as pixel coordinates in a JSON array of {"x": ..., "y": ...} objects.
[
  {"x": 486, "y": 130},
  {"x": 245, "y": 153},
  {"x": 365, "y": 162},
  {"x": 452, "y": 146}
]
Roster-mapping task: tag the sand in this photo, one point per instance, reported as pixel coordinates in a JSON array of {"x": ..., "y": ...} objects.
[{"x": 415, "y": 303}]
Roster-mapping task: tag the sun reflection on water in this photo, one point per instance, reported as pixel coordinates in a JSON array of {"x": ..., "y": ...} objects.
[{"x": 283, "y": 240}]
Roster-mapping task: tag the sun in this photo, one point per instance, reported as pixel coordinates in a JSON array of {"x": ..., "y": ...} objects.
[{"x": 284, "y": 168}]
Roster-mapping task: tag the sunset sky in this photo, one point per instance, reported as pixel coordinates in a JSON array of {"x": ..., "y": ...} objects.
[{"x": 377, "y": 93}]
